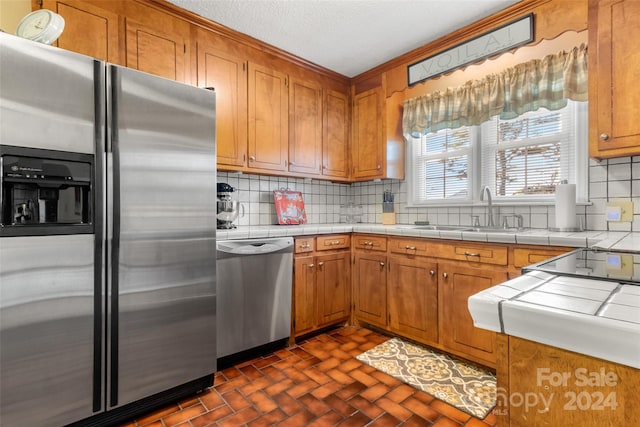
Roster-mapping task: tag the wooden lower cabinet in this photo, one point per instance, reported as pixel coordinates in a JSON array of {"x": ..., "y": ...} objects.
[
  {"x": 332, "y": 288},
  {"x": 458, "y": 334},
  {"x": 540, "y": 385},
  {"x": 304, "y": 285},
  {"x": 413, "y": 298},
  {"x": 321, "y": 289},
  {"x": 370, "y": 288}
]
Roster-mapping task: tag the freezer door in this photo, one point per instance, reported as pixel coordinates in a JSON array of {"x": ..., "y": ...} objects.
[
  {"x": 47, "y": 97},
  {"x": 162, "y": 145},
  {"x": 46, "y": 329}
]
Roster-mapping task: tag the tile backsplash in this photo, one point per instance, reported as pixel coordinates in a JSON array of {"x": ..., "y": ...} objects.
[{"x": 613, "y": 179}]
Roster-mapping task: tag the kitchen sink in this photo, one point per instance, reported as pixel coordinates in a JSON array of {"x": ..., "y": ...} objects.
[
  {"x": 441, "y": 227},
  {"x": 461, "y": 228},
  {"x": 494, "y": 229}
]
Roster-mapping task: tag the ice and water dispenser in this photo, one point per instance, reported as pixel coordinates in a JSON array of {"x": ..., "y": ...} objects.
[{"x": 45, "y": 192}]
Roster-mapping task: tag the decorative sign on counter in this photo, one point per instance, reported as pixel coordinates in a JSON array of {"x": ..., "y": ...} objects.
[
  {"x": 289, "y": 207},
  {"x": 501, "y": 39}
]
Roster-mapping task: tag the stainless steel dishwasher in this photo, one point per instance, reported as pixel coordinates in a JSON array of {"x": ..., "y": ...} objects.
[{"x": 254, "y": 279}]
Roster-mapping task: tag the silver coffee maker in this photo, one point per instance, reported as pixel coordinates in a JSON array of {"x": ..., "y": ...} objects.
[{"x": 228, "y": 209}]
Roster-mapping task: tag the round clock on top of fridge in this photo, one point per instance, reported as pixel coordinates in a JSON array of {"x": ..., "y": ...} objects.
[{"x": 42, "y": 26}]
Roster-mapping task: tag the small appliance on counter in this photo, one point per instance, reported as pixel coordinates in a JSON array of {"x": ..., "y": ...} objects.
[{"x": 228, "y": 208}]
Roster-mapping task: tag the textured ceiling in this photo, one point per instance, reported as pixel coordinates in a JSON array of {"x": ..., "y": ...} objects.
[{"x": 346, "y": 36}]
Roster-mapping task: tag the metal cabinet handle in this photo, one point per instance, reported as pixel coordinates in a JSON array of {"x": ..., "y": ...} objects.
[
  {"x": 320, "y": 264},
  {"x": 291, "y": 163},
  {"x": 604, "y": 136},
  {"x": 382, "y": 264},
  {"x": 471, "y": 254},
  {"x": 311, "y": 265},
  {"x": 378, "y": 167},
  {"x": 431, "y": 272},
  {"x": 252, "y": 158},
  {"x": 445, "y": 275},
  {"x": 304, "y": 246},
  {"x": 367, "y": 243},
  {"x": 411, "y": 248},
  {"x": 334, "y": 242}
]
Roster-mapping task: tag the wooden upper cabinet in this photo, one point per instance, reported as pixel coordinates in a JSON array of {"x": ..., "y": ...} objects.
[
  {"x": 268, "y": 118},
  {"x": 335, "y": 139},
  {"x": 614, "y": 61},
  {"x": 227, "y": 74},
  {"x": 159, "y": 49},
  {"x": 368, "y": 146},
  {"x": 89, "y": 29},
  {"x": 305, "y": 127}
]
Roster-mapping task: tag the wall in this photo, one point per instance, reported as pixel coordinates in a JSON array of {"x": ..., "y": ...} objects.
[
  {"x": 322, "y": 199},
  {"x": 11, "y": 12},
  {"x": 613, "y": 179}
]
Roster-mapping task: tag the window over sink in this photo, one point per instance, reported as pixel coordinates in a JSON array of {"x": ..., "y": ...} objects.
[{"x": 521, "y": 159}]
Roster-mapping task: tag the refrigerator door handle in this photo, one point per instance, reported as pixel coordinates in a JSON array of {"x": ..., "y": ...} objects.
[
  {"x": 100, "y": 244},
  {"x": 113, "y": 230}
]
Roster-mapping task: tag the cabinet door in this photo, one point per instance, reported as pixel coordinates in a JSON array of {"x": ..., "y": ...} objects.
[
  {"x": 370, "y": 288},
  {"x": 413, "y": 298},
  {"x": 332, "y": 287},
  {"x": 228, "y": 76},
  {"x": 88, "y": 29},
  {"x": 457, "y": 284},
  {"x": 305, "y": 127},
  {"x": 156, "y": 49},
  {"x": 304, "y": 294},
  {"x": 613, "y": 77},
  {"x": 335, "y": 139},
  {"x": 268, "y": 118},
  {"x": 367, "y": 134}
]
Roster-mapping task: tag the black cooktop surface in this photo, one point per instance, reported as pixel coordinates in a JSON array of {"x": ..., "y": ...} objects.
[{"x": 594, "y": 264}]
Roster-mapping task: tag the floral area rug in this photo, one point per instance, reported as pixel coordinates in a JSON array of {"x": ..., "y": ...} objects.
[{"x": 460, "y": 384}]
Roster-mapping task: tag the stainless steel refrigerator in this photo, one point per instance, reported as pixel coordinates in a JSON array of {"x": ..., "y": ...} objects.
[{"x": 107, "y": 238}]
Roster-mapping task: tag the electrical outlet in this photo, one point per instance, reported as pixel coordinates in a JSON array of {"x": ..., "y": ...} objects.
[{"x": 620, "y": 211}]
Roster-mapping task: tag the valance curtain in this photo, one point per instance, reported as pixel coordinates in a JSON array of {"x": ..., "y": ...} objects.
[{"x": 546, "y": 82}]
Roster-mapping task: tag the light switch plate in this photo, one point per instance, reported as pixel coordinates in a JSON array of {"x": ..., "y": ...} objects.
[{"x": 619, "y": 211}]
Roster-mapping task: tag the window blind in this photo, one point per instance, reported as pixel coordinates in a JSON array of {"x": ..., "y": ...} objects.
[
  {"x": 528, "y": 156},
  {"x": 441, "y": 166}
]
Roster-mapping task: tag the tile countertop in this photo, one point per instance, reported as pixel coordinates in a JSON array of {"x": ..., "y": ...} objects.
[
  {"x": 593, "y": 317},
  {"x": 615, "y": 240}
]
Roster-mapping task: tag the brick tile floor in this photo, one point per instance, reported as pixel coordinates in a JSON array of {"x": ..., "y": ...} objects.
[{"x": 317, "y": 383}]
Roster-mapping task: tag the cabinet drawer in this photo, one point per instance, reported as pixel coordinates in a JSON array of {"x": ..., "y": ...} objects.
[
  {"x": 336, "y": 241},
  {"x": 488, "y": 254},
  {"x": 304, "y": 245},
  {"x": 525, "y": 256},
  {"x": 408, "y": 246},
  {"x": 370, "y": 243}
]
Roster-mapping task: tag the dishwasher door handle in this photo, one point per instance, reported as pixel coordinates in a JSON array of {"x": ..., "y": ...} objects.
[{"x": 254, "y": 247}]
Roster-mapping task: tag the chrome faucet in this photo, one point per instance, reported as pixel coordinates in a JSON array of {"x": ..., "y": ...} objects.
[{"x": 487, "y": 190}]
